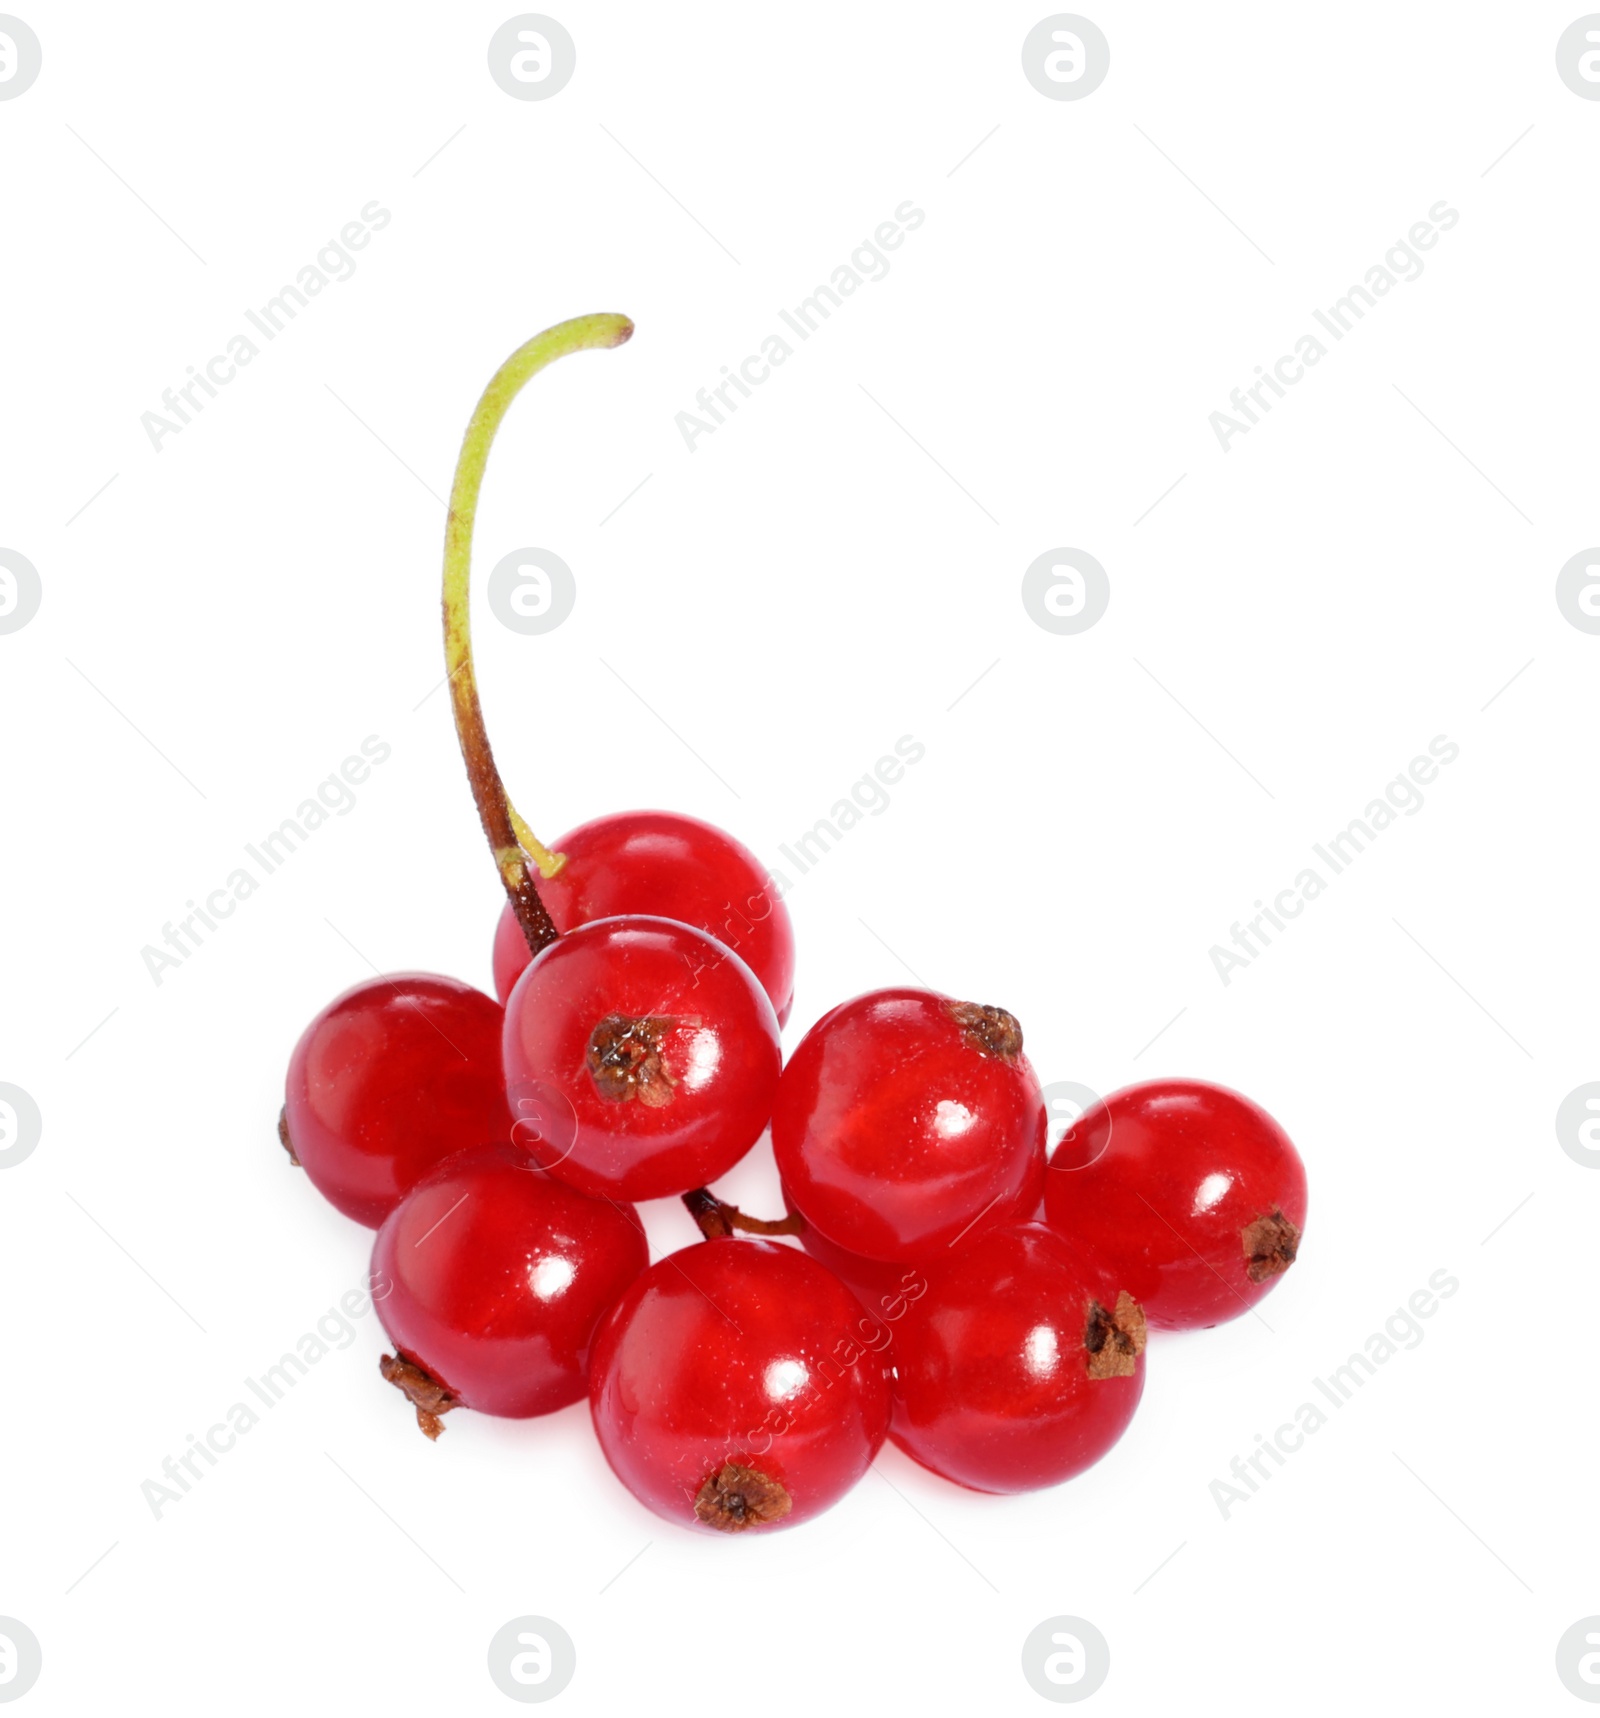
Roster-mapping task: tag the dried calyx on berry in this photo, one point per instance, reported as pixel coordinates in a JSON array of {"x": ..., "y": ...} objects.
[
  {"x": 1270, "y": 1244},
  {"x": 625, "y": 1059},
  {"x": 989, "y": 1030},
  {"x": 736, "y": 1497},
  {"x": 1114, "y": 1340},
  {"x": 422, "y": 1390}
]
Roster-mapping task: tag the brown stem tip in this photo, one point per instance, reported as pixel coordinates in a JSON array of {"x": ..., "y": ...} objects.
[
  {"x": 737, "y": 1497},
  {"x": 990, "y": 1031},
  {"x": 283, "y": 1135},
  {"x": 1270, "y": 1245},
  {"x": 1115, "y": 1340},
  {"x": 625, "y": 1059},
  {"x": 422, "y": 1390}
]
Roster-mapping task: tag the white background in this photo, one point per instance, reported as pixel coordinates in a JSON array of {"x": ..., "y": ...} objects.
[{"x": 1288, "y": 627}]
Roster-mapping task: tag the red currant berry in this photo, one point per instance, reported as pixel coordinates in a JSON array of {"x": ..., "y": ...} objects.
[
  {"x": 906, "y": 1122},
  {"x": 671, "y": 867},
  {"x": 389, "y": 1079},
  {"x": 490, "y": 1279},
  {"x": 657, "y": 1048},
  {"x": 738, "y": 1386},
  {"x": 1018, "y": 1368},
  {"x": 880, "y": 1285},
  {"x": 1190, "y": 1195}
]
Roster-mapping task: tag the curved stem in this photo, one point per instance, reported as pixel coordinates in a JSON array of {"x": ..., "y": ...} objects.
[
  {"x": 511, "y": 841},
  {"x": 716, "y": 1218}
]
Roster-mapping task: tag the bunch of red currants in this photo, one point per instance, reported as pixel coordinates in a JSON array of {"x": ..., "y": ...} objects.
[
  {"x": 951, "y": 1288},
  {"x": 986, "y": 1311}
]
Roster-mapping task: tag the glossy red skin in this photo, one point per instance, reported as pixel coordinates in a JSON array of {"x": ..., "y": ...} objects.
[
  {"x": 868, "y": 1154},
  {"x": 1174, "y": 1172},
  {"x": 670, "y": 867},
  {"x": 992, "y": 1388},
  {"x": 883, "y": 1287},
  {"x": 743, "y": 1351},
  {"x": 390, "y": 1079},
  {"x": 492, "y": 1277},
  {"x": 725, "y": 1057}
]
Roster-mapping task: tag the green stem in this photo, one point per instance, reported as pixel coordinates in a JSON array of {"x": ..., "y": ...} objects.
[{"x": 498, "y": 816}]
